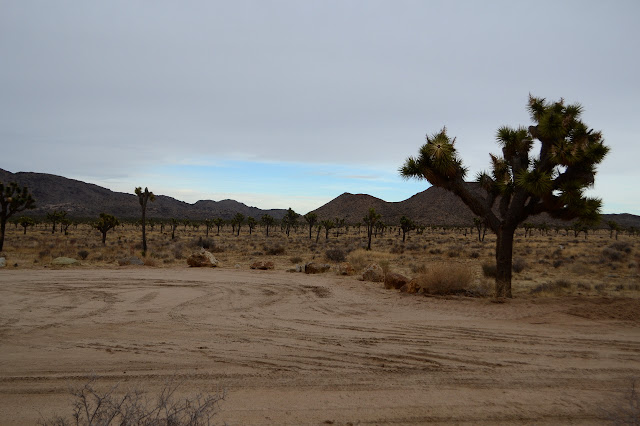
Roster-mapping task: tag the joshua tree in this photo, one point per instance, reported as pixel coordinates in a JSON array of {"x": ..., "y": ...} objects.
[
  {"x": 65, "y": 222},
  {"x": 267, "y": 220},
  {"x": 311, "y": 218},
  {"x": 105, "y": 223},
  {"x": 521, "y": 185},
  {"x": 12, "y": 200},
  {"x": 613, "y": 227},
  {"x": 174, "y": 224},
  {"x": 55, "y": 218},
  {"x": 144, "y": 197},
  {"x": 208, "y": 223},
  {"x": 290, "y": 220},
  {"x": 25, "y": 222},
  {"x": 238, "y": 220},
  {"x": 481, "y": 226},
  {"x": 339, "y": 225},
  {"x": 218, "y": 222},
  {"x": 370, "y": 221},
  {"x": 327, "y": 225},
  {"x": 251, "y": 223},
  {"x": 406, "y": 225},
  {"x": 186, "y": 222}
]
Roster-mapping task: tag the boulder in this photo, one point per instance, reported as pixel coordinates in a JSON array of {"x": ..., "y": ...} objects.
[
  {"x": 202, "y": 258},
  {"x": 263, "y": 265},
  {"x": 133, "y": 260},
  {"x": 373, "y": 273},
  {"x": 316, "y": 268},
  {"x": 63, "y": 261},
  {"x": 3, "y": 262},
  {"x": 411, "y": 287},
  {"x": 395, "y": 280},
  {"x": 345, "y": 268}
]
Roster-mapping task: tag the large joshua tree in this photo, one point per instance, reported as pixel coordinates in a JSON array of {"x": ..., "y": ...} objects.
[
  {"x": 104, "y": 224},
  {"x": 13, "y": 199},
  {"x": 144, "y": 197},
  {"x": 521, "y": 184}
]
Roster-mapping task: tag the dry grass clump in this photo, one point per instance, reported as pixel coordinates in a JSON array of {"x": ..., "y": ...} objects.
[
  {"x": 559, "y": 286},
  {"x": 275, "y": 250},
  {"x": 446, "y": 279},
  {"x": 360, "y": 258},
  {"x": 335, "y": 255}
]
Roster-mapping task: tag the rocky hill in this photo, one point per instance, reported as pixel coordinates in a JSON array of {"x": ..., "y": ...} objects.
[
  {"x": 434, "y": 206},
  {"x": 85, "y": 200}
]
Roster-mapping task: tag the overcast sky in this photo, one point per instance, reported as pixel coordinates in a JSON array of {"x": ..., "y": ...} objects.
[{"x": 290, "y": 103}]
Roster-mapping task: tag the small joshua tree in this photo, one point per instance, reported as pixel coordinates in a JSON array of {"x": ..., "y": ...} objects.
[
  {"x": 267, "y": 220},
  {"x": 105, "y": 223},
  {"x": 144, "y": 197},
  {"x": 311, "y": 218},
  {"x": 290, "y": 220},
  {"x": 370, "y": 220},
  {"x": 238, "y": 220},
  {"x": 12, "y": 200},
  {"x": 25, "y": 222},
  {"x": 251, "y": 223},
  {"x": 406, "y": 225},
  {"x": 522, "y": 185},
  {"x": 327, "y": 225}
]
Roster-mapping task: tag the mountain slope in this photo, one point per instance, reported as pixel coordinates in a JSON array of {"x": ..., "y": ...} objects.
[{"x": 84, "y": 200}]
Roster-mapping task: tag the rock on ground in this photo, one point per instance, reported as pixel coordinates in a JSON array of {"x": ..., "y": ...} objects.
[
  {"x": 373, "y": 273},
  {"x": 395, "y": 280},
  {"x": 263, "y": 265},
  {"x": 345, "y": 268},
  {"x": 202, "y": 258},
  {"x": 316, "y": 268}
]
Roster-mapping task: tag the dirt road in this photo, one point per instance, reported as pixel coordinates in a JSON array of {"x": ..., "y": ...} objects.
[{"x": 298, "y": 349}]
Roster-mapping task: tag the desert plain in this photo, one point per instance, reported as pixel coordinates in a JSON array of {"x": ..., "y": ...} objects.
[{"x": 294, "y": 348}]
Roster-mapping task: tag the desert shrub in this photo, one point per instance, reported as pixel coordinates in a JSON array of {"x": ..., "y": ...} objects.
[
  {"x": 454, "y": 251},
  {"x": 148, "y": 261},
  {"x": 94, "y": 406},
  {"x": 335, "y": 255},
  {"x": 551, "y": 287},
  {"x": 612, "y": 255},
  {"x": 177, "y": 252},
  {"x": 83, "y": 254},
  {"x": 474, "y": 255},
  {"x": 296, "y": 259},
  {"x": 44, "y": 253},
  {"x": 446, "y": 279},
  {"x": 518, "y": 265},
  {"x": 583, "y": 286},
  {"x": 205, "y": 243},
  {"x": 435, "y": 251},
  {"x": 490, "y": 270},
  {"x": 397, "y": 249},
  {"x": 274, "y": 250},
  {"x": 420, "y": 268},
  {"x": 621, "y": 246},
  {"x": 557, "y": 263}
]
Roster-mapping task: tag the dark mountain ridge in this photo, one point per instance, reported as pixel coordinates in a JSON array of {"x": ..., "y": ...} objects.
[
  {"x": 433, "y": 206},
  {"x": 86, "y": 200}
]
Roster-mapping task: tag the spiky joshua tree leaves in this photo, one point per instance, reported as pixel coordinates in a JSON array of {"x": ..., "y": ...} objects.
[
  {"x": 521, "y": 183},
  {"x": 144, "y": 197},
  {"x": 13, "y": 199}
]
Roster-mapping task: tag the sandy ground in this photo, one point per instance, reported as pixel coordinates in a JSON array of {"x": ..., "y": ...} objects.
[{"x": 297, "y": 349}]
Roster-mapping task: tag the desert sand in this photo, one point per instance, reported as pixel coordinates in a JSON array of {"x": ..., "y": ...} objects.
[{"x": 291, "y": 348}]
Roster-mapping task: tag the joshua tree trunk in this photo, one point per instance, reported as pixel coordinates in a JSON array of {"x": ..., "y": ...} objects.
[
  {"x": 144, "y": 229},
  {"x": 504, "y": 254},
  {"x": 3, "y": 226},
  {"x": 104, "y": 238}
]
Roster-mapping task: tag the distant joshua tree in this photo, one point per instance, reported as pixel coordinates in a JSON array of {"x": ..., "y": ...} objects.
[
  {"x": 238, "y": 220},
  {"x": 208, "y": 223},
  {"x": 406, "y": 225},
  {"x": 174, "y": 224},
  {"x": 144, "y": 197},
  {"x": 327, "y": 225},
  {"x": 267, "y": 220},
  {"x": 105, "y": 223},
  {"x": 218, "y": 222},
  {"x": 12, "y": 200},
  {"x": 251, "y": 223},
  {"x": 290, "y": 220},
  {"x": 25, "y": 222},
  {"x": 311, "y": 218},
  {"x": 55, "y": 218},
  {"x": 370, "y": 220}
]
